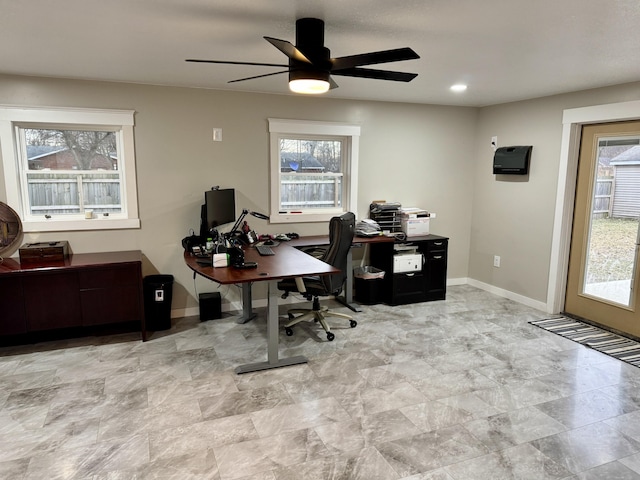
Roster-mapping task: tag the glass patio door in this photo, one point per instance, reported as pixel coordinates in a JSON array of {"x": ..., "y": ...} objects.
[{"x": 603, "y": 265}]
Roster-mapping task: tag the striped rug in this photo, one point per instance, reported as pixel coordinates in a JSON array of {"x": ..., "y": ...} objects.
[{"x": 601, "y": 340}]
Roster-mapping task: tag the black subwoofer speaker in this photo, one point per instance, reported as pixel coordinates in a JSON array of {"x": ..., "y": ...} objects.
[{"x": 210, "y": 306}]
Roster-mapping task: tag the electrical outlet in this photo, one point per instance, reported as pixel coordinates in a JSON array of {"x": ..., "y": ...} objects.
[
  {"x": 496, "y": 261},
  {"x": 217, "y": 134}
]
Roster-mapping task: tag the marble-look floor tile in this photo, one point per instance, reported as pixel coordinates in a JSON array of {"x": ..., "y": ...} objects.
[
  {"x": 367, "y": 431},
  {"x": 513, "y": 428},
  {"x": 431, "y": 450},
  {"x": 152, "y": 419},
  {"x": 313, "y": 388},
  {"x": 84, "y": 462},
  {"x": 228, "y": 404},
  {"x": 287, "y": 418},
  {"x": 609, "y": 471},
  {"x": 587, "y": 447},
  {"x": 439, "y": 474},
  {"x": 628, "y": 424},
  {"x": 472, "y": 403},
  {"x": 579, "y": 380},
  {"x": 435, "y": 415},
  {"x": 460, "y": 389},
  {"x": 255, "y": 456},
  {"x": 456, "y": 383},
  {"x": 198, "y": 437},
  {"x": 366, "y": 464},
  {"x": 522, "y": 462},
  {"x": 583, "y": 408},
  {"x": 15, "y": 469},
  {"x": 515, "y": 395},
  {"x": 632, "y": 462},
  {"x": 374, "y": 400}
]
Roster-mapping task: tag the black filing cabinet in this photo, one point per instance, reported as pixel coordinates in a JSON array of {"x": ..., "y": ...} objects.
[{"x": 426, "y": 284}]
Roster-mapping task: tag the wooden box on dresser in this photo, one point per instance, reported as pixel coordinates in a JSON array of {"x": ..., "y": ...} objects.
[
  {"x": 427, "y": 284},
  {"x": 81, "y": 292}
]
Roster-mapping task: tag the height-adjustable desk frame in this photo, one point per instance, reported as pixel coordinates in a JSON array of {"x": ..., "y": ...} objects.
[
  {"x": 322, "y": 240},
  {"x": 288, "y": 262}
]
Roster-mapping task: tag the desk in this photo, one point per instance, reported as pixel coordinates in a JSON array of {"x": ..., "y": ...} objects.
[
  {"x": 288, "y": 262},
  {"x": 320, "y": 240}
]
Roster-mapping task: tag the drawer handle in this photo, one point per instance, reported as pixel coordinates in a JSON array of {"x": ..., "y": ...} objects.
[
  {"x": 438, "y": 243},
  {"x": 437, "y": 257}
]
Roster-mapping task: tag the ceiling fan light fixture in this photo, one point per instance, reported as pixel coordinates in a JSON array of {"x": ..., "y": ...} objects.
[{"x": 309, "y": 82}]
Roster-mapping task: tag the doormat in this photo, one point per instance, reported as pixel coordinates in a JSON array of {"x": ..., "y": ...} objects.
[{"x": 611, "y": 344}]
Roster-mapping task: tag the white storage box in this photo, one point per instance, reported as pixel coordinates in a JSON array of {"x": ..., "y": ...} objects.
[
  {"x": 413, "y": 227},
  {"x": 407, "y": 263}
]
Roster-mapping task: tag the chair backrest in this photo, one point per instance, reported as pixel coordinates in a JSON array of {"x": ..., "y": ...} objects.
[{"x": 341, "y": 232}]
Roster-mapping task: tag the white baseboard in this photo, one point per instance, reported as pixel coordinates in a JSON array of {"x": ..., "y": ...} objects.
[
  {"x": 262, "y": 302},
  {"x": 231, "y": 307},
  {"x": 529, "y": 302}
]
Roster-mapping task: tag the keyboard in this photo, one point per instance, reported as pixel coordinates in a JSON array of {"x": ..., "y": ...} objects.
[{"x": 265, "y": 250}]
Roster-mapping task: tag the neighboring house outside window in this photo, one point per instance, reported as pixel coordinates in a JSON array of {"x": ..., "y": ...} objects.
[
  {"x": 74, "y": 169},
  {"x": 314, "y": 170}
]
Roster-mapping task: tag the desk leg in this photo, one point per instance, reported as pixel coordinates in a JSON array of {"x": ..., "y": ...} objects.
[
  {"x": 247, "y": 306},
  {"x": 347, "y": 298},
  {"x": 273, "y": 328}
]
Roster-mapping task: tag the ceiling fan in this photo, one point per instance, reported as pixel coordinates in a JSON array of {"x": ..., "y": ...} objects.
[{"x": 310, "y": 64}]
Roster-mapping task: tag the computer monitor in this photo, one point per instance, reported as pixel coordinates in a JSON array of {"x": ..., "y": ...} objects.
[{"x": 219, "y": 209}]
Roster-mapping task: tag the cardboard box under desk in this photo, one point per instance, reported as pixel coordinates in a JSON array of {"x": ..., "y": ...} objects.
[{"x": 44, "y": 252}]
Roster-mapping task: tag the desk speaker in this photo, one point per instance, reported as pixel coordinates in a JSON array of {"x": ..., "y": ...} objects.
[{"x": 210, "y": 306}]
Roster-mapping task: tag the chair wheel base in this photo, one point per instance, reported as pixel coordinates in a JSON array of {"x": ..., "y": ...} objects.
[
  {"x": 288, "y": 331},
  {"x": 353, "y": 323},
  {"x": 330, "y": 336}
]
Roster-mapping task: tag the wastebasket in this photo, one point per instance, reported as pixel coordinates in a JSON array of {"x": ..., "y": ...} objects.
[
  {"x": 368, "y": 282},
  {"x": 157, "y": 291}
]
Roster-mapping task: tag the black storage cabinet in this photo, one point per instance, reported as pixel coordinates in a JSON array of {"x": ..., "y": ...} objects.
[
  {"x": 426, "y": 285},
  {"x": 157, "y": 291}
]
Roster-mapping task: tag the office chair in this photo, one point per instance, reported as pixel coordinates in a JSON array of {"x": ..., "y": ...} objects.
[{"x": 341, "y": 231}]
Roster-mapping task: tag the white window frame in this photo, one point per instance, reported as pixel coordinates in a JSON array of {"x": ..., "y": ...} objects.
[
  {"x": 279, "y": 128},
  {"x": 121, "y": 121}
]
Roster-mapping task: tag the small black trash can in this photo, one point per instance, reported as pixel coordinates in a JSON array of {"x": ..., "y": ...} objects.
[
  {"x": 368, "y": 283},
  {"x": 157, "y": 291}
]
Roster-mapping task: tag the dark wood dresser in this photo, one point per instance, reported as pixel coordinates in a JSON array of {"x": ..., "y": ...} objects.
[{"x": 82, "y": 292}]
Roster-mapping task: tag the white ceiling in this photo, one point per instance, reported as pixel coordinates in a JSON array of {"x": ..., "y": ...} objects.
[{"x": 505, "y": 50}]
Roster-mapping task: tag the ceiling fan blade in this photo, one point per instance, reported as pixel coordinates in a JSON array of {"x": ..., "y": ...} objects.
[
  {"x": 384, "y": 56},
  {"x": 376, "y": 74},
  {"x": 258, "y": 76},
  {"x": 288, "y": 49},
  {"x": 225, "y": 62}
]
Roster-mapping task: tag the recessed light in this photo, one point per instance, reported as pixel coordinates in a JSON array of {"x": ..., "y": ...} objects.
[{"x": 458, "y": 87}]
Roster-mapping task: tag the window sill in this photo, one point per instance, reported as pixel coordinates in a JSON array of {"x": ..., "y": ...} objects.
[
  {"x": 304, "y": 217},
  {"x": 80, "y": 225}
]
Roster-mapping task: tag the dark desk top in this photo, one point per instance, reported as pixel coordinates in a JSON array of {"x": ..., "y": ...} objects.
[
  {"x": 324, "y": 240},
  {"x": 73, "y": 261},
  {"x": 288, "y": 262}
]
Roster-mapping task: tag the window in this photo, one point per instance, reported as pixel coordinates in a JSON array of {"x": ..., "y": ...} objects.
[
  {"x": 314, "y": 170},
  {"x": 69, "y": 169}
]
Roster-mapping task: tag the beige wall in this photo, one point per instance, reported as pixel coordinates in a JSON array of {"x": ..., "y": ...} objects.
[
  {"x": 434, "y": 157},
  {"x": 513, "y": 217},
  {"x": 419, "y": 155}
]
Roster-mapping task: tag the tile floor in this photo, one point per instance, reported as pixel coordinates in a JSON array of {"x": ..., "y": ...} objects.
[{"x": 459, "y": 389}]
